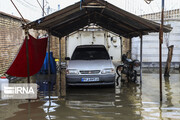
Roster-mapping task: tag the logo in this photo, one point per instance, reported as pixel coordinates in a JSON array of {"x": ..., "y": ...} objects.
[{"x": 19, "y": 91}]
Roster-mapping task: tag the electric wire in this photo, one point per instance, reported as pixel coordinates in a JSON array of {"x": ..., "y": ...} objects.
[
  {"x": 27, "y": 5},
  {"x": 18, "y": 11},
  {"x": 30, "y": 4},
  {"x": 174, "y": 5},
  {"x": 151, "y": 8},
  {"x": 41, "y": 7},
  {"x": 159, "y": 9},
  {"x": 19, "y": 1}
]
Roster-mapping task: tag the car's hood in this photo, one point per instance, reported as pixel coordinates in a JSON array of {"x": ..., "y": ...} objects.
[{"x": 90, "y": 64}]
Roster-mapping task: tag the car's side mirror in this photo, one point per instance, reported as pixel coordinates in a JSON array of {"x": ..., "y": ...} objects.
[
  {"x": 111, "y": 57},
  {"x": 67, "y": 58}
]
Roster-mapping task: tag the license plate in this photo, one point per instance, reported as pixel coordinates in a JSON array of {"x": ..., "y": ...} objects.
[{"x": 89, "y": 79}]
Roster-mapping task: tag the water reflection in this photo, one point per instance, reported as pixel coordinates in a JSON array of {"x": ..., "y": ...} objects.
[
  {"x": 45, "y": 82},
  {"x": 168, "y": 92},
  {"x": 127, "y": 101},
  {"x": 91, "y": 103},
  {"x": 29, "y": 111},
  {"x": 102, "y": 103}
]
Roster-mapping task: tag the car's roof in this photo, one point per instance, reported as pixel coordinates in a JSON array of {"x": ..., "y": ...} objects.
[{"x": 90, "y": 46}]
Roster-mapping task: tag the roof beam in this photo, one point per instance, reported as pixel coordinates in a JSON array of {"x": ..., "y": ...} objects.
[
  {"x": 86, "y": 16},
  {"x": 75, "y": 27},
  {"x": 111, "y": 28},
  {"x": 118, "y": 23},
  {"x": 67, "y": 19}
]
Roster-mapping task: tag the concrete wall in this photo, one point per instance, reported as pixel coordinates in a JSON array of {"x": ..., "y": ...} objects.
[
  {"x": 151, "y": 47},
  {"x": 11, "y": 39}
]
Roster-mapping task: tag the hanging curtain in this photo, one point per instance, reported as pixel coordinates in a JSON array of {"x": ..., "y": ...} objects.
[{"x": 37, "y": 52}]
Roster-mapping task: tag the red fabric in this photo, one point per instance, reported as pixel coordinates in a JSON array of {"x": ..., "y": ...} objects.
[{"x": 37, "y": 53}]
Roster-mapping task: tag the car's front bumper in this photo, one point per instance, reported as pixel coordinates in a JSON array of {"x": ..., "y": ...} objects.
[{"x": 76, "y": 80}]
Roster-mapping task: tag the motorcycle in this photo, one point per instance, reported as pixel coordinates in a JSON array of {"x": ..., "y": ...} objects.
[{"x": 129, "y": 68}]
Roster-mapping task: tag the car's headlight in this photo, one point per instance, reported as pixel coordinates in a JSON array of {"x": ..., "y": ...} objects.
[
  {"x": 72, "y": 71},
  {"x": 108, "y": 71}
]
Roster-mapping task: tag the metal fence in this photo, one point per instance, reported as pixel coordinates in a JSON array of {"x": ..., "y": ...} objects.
[{"x": 168, "y": 15}]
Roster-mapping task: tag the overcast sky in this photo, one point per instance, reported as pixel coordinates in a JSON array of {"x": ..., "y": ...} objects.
[{"x": 32, "y": 11}]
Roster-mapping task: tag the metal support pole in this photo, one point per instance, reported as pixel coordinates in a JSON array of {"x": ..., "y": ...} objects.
[
  {"x": 160, "y": 70},
  {"x": 160, "y": 49},
  {"x": 27, "y": 56},
  {"x": 121, "y": 51},
  {"x": 141, "y": 45},
  {"x": 66, "y": 45},
  {"x": 130, "y": 47},
  {"x": 60, "y": 53},
  {"x": 49, "y": 67},
  {"x": 60, "y": 76},
  {"x": 121, "y": 46},
  {"x": 43, "y": 8},
  {"x": 19, "y": 12}
]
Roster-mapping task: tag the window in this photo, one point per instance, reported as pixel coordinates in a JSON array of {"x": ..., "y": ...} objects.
[{"x": 90, "y": 54}]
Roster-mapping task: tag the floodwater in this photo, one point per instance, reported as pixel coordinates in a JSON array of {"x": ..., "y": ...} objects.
[{"x": 127, "y": 101}]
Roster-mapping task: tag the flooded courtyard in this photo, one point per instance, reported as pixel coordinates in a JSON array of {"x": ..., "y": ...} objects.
[{"x": 127, "y": 101}]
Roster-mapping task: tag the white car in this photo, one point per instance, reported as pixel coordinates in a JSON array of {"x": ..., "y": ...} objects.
[{"x": 90, "y": 65}]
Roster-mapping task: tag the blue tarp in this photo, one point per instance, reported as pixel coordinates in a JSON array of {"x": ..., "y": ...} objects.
[{"x": 44, "y": 68}]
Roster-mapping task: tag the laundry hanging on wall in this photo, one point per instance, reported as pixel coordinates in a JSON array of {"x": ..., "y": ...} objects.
[{"x": 37, "y": 53}]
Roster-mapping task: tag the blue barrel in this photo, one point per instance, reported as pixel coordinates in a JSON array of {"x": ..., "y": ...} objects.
[{"x": 44, "y": 68}]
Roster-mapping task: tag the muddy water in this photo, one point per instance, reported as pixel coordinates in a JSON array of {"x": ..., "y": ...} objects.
[{"x": 127, "y": 101}]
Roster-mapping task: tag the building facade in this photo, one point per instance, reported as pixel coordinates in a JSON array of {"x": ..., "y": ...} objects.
[{"x": 151, "y": 41}]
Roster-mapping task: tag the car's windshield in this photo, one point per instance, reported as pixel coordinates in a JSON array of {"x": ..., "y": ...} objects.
[{"x": 90, "y": 54}]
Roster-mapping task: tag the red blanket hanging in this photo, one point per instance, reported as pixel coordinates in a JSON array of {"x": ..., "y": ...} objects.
[{"x": 37, "y": 52}]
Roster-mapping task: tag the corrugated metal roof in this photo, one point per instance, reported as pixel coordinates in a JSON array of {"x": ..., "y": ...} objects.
[{"x": 100, "y": 12}]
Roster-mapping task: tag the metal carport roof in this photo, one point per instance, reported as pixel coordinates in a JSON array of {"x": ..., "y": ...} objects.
[
  {"x": 100, "y": 12},
  {"x": 104, "y": 14}
]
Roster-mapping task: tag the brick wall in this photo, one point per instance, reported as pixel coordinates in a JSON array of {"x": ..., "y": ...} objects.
[
  {"x": 126, "y": 49},
  {"x": 54, "y": 46},
  {"x": 11, "y": 38}
]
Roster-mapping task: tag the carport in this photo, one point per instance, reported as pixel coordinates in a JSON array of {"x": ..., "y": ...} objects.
[{"x": 99, "y": 12}]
